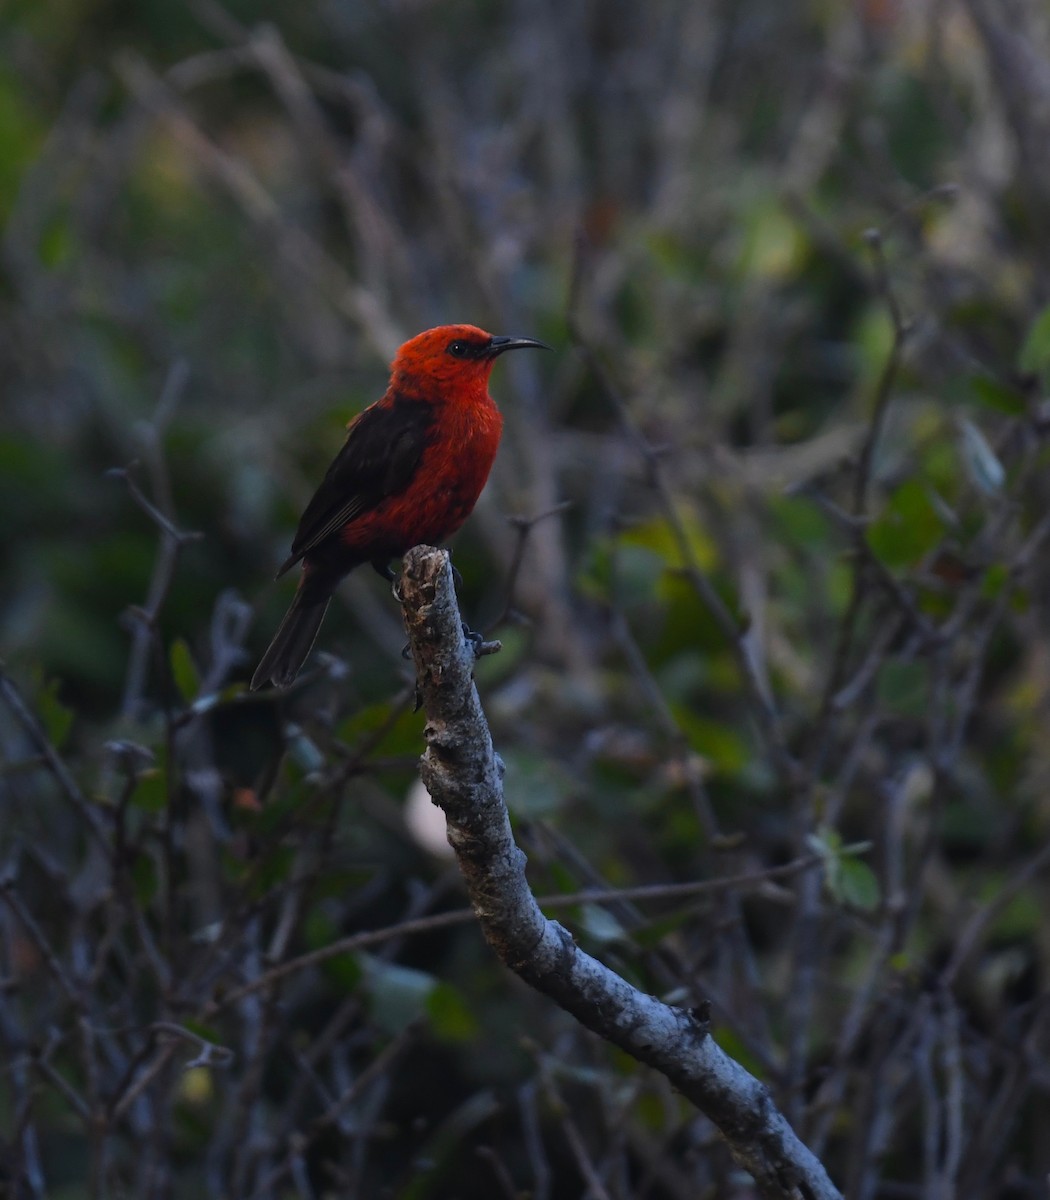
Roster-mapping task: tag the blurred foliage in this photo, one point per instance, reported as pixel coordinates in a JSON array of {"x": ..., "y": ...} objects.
[{"x": 796, "y": 264}]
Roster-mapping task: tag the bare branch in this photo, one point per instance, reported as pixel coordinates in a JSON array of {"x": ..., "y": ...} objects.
[{"x": 463, "y": 774}]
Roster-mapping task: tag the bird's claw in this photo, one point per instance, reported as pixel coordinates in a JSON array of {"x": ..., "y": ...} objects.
[{"x": 476, "y": 641}]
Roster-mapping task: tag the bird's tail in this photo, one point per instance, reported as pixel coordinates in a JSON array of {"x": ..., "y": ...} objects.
[{"x": 294, "y": 638}]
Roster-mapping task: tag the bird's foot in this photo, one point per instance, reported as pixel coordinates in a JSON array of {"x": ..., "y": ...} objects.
[
  {"x": 382, "y": 567},
  {"x": 476, "y": 641}
]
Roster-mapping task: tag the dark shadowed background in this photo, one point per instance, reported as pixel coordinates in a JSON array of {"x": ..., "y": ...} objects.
[{"x": 765, "y": 545}]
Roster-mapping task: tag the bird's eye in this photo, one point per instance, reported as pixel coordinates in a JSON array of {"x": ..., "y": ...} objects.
[{"x": 459, "y": 349}]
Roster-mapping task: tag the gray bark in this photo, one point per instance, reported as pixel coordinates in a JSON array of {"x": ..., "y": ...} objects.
[{"x": 464, "y": 777}]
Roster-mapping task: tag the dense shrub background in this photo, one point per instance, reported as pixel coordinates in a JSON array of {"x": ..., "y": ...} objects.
[{"x": 765, "y": 544}]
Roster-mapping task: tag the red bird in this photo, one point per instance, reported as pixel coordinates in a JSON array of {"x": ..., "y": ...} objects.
[{"x": 411, "y": 470}]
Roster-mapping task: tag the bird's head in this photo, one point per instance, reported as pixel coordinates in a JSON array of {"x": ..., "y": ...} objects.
[{"x": 452, "y": 357}]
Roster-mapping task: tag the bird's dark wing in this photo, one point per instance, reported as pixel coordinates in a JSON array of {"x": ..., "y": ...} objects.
[{"x": 380, "y": 455}]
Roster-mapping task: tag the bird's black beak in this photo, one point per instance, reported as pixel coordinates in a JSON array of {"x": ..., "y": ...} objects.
[{"x": 499, "y": 345}]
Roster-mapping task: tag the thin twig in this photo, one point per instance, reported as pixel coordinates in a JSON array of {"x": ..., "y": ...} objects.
[
  {"x": 522, "y": 527},
  {"x": 55, "y": 764},
  {"x": 466, "y": 916},
  {"x": 732, "y": 630}
]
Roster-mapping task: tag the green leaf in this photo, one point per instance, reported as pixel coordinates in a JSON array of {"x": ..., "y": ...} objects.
[
  {"x": 995, "y": 579},
  {"x": 1021, "y": 919},
  {"x": 858, "y": 885},
  {"x": 660, "y": 537},
  {"x": 774, "y": 245},
  {"x": 902, "y": 687},
  {"x": 655, "y": 931},
  {"x": 56, "y": 718},
  {"x": 719, "y": 743},
  {"x": 650, "y": 1110},
  {"x": 345, "y": 972},
  {"x": 450, "y": 1017},
  {"x": 399, "y": 995},
  {"x": 532, "y": 784},
  {"x": 319, "y": 929},
  {"x": 21, "y": 133},
  {"x": 274, "y": 868},
  {"x": 799, "y": 521},
  {"x": 908, "y": 528},
  {"x": 824, "y": 841},
  {"x": 1034, "y": 358},
  {"x": 618, "y": 571},
  {"x": 183, "y": 670},
  {"x": 999, "y": 396},
  {"x": 737, "y": 1047},
  {"x": 145, "y": 879},
  {"x": 848, "y": 880},
  {"x": 873, "y": 338},
  {"x": 56, "y": 243},
  {"x": 402, "y": 733},
  {"x": 151, "y": 790}
]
